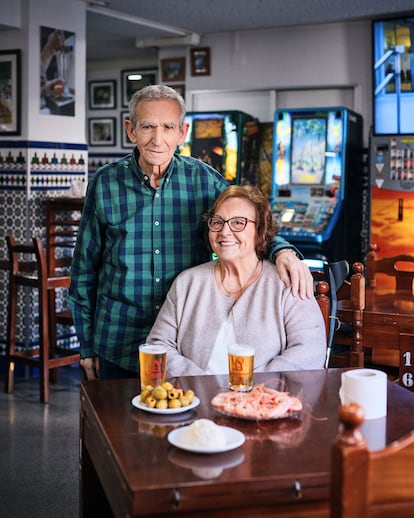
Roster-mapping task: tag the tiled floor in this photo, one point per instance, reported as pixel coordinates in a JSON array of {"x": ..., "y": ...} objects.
[{"x": 39, "y": 449}]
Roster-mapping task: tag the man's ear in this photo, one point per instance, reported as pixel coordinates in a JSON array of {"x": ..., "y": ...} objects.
[
  {"x": 130, "y": 129},
  {"x": 184, "y": 131}
]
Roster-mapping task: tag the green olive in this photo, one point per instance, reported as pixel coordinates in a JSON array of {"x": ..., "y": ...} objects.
[
  {"x": 162, "y": 404},
  {"x": 159, "y": 393},
  {"x": 189, "y": 394},
  {"x": 151, "y": 401},
  {"x": 174, "y": 403},
  {"x": 184, "y": 401},
  {"x": 173, "y": 394}
]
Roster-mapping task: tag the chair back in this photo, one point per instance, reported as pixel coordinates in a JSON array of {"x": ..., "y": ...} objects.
[
  {"x": 400, "y": 267},
  {"x": 344, "y": 327},
  {"x": 322, "y": 298},
  {"x": 368, "y": 483}
]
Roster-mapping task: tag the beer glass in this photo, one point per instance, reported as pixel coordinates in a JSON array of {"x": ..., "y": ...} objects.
[
  {"x": 241, "y": 360},
  {"x": 152, "y": 364}
]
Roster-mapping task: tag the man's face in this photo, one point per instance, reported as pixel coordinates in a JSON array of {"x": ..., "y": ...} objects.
[{"x": 157, "y": 133}]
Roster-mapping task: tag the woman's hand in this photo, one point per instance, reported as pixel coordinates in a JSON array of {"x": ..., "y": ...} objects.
[{"x": 294, "y": 273}]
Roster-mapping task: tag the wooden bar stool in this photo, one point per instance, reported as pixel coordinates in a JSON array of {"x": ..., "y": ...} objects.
[
  {"x": 28, "y": 267},
  {"x": 62, "y": 218}
]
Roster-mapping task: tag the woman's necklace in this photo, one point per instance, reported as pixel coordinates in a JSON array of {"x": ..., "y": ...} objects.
[{"x": 232, "y": 293}]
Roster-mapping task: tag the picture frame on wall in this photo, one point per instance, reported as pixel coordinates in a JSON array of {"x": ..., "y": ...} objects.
[
  {"x": 133, "y": 80},
  {"x": 102, "y": 95},
  {"x": 102, "y": 131},
  {"x": 179, "y": 89},
  {"x": 200, "y": 61},
  {"x": 172, "y": 69},
  {"x": 125, "y": 142},
  {"x": 10, "y": 92}
]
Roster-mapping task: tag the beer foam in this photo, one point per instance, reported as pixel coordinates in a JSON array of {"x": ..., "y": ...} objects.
[{"x": 204, "y": 433}]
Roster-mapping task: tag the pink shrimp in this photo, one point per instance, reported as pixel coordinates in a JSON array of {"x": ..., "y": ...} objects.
[{"x": 260, "y": 403}]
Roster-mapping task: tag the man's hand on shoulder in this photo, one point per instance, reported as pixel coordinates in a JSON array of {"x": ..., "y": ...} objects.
[{"x": 294, "y": 273}]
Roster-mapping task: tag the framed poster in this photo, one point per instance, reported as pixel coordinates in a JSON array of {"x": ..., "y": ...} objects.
[
  {"x": 200, "y": 61},
  {"x": 173, "y": 69},
  {"x": 57, "y": 72},
  {"x": 133, "y": 80},
  {"x": 179, "y": 89},
  {"x": 102, "y": 131},
  {"x": 102, "y": 95},
  {"x": 125, "y": 142},
  {"x": 10, "y": 91}
]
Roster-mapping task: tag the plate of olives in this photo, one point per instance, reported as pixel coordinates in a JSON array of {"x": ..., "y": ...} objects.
[
  {"x": 136, "y": 401},
  {"x": 165, "y": 399}
]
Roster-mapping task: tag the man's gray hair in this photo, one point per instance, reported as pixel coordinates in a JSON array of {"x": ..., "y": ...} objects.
[{"x": 153, "y": 92}]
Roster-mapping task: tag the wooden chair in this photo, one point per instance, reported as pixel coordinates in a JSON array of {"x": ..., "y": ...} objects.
[
  {"x": 366, "y": 483},
  {"x": 62, "y": 222},
  {"x": 397, "y": 273},
  {"x": 28, "y": 267},
  {"x": 344, "y": 329}
]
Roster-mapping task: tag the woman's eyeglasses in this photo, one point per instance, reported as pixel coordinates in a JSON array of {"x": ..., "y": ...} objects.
[{"x": 236, "y": 224}]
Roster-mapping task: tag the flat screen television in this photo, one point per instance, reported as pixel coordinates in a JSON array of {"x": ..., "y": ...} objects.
[{"x": 393, "y": 83}]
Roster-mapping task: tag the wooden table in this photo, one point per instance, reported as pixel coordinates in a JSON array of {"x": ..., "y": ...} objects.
[
  {"x": 283, "y": 467},
  {"x": 388, "y": 323}
]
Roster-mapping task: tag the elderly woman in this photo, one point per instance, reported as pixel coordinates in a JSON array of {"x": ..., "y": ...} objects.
[{"x": 239, "y": 298}]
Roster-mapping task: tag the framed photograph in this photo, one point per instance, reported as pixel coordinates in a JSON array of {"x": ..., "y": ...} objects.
[
  {"x": 133, "y": 80},
  {"x": 200, "y": 61},
  {"x": 179, "y": 89},
  {"x": 10, "y": 91},
  {"x": 102, "y": 95},
  {"x": 125, "y": 142},
  {"x": 173, "y": 69},
  {"x": 102, "y": 131}
]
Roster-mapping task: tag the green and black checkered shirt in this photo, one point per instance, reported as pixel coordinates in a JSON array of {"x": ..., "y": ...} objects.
[{"x": 133, "y": 240}]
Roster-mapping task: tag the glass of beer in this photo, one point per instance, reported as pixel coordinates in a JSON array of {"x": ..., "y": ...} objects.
[
  {"x": 152, "y": 364},
  {"x": 241, "y": 360}
]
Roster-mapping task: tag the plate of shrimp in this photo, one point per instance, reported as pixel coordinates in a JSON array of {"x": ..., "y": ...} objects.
[{"x": 260, "y": 404}]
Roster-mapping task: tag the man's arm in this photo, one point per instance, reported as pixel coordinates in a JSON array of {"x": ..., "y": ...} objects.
[
  {"x": 82, "y": 292},
  {"x": 291, "y": 268}
]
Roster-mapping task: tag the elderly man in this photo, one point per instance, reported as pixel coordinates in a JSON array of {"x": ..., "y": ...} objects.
[{"x": 141, "y": 226}]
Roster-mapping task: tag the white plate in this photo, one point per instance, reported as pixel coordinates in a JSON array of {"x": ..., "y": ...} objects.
[
  {"x": 136, "y": 401},
  {"x": 234, "y": 439}
]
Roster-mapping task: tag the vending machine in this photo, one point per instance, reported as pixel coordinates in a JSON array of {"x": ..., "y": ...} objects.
[
  {"x": 392, "y": 140},
  {"x": 392, "y": 194},
  {"x": 227, "y": 140},
  {"x": 318, "y": 182}
]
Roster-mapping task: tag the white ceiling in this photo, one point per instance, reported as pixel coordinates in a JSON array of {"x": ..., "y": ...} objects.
[{"x": 110, "y": 38}]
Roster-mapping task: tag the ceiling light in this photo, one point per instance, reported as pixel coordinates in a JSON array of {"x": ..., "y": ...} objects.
[
  {"x": 98, "y": 9},
  {"x": 192, "y": 39},
  {"x": 134, "y": 77}
]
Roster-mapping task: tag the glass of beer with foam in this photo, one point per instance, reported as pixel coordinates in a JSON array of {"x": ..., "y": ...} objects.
[
  {"x": 152, "y": 364},
  {"x": 241, "y": 363}
]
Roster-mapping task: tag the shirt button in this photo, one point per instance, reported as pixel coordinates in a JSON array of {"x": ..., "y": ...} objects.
[
  {"x": 156, "y": 251},
  {"x": 157, "y": 279},
  {"x": 156, "y": 223},
  {"x": 157, "y": 306},
  {"x": 157, "y": 194}
]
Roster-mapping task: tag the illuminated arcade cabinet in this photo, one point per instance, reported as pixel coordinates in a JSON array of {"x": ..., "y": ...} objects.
[
  {"x": 317, "y": 182},
  {"x": 392, "y": 140},
  {"x": 228, "y": 141}
]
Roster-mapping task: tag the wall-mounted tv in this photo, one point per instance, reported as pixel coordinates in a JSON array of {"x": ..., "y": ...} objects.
[{"x": 393, "y": 83}]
